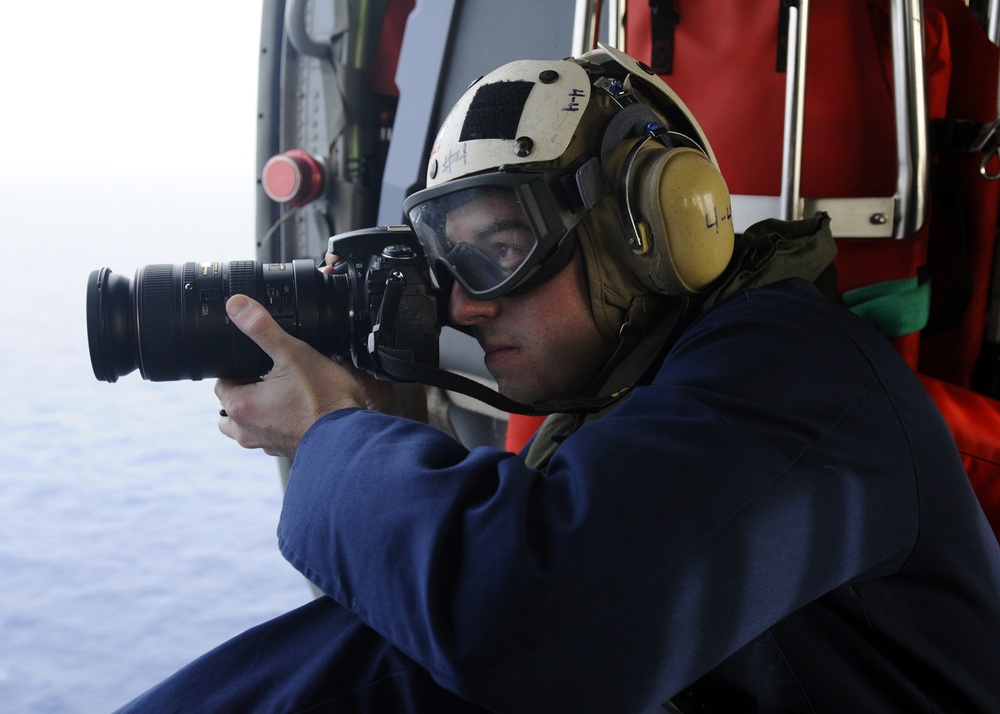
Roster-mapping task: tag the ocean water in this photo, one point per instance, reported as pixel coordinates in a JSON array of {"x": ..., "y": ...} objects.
[{"x": 133, "y": 535}]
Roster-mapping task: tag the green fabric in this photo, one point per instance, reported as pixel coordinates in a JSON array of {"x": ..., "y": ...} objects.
[
  {"x": 774, "y": 250},
  {"x": 895, "y": 308}
]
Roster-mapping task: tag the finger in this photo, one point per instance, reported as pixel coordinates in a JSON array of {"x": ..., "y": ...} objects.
[
  {"x": 248, "y": 439},
  {"x": 227, "y": 427},
  {"x": 232, "y": 428},
  {"x": 256, "y": 323},
  {"x": 333, "y": 264},
  {"x": 222, "y": 387}
]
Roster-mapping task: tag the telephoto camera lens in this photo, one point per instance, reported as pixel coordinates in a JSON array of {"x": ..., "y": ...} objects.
[{"x": 170, "y": 322}]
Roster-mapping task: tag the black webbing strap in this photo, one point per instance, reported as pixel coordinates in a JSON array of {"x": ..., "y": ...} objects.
[
  {"x": 952, "y": 306},
  {"x": 399, "y": 365},
  {"x": 781, "y": 55},
  {"x": 663, "y": 21},
  {"x": 959, "y": 136}
]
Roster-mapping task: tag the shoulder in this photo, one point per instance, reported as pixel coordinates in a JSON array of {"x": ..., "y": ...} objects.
[
  {"x": 789, "y": 366},
  {"x": 794, "y": 302},
  {"x": 772, "y": 334}
]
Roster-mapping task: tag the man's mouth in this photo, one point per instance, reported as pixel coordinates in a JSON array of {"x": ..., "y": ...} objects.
[{"x": 496, "y": 353}]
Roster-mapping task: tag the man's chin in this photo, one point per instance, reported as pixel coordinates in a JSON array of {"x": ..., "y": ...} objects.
[{"x": 522, "y": 393}]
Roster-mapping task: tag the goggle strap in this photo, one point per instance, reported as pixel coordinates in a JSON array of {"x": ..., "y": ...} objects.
[{"x": 591, "y": 184}]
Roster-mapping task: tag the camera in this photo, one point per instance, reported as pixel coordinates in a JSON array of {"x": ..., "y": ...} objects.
[{"x": 170, "y": 322}]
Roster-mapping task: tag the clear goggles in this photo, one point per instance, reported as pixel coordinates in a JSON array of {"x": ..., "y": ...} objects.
[{"x": 492, "y": 232}]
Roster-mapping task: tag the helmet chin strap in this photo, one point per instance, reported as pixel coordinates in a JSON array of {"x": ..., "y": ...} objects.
[{"x": 641, "y": 319}]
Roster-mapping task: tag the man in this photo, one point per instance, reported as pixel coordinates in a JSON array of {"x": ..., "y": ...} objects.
[{"x": 745, "y": 501}]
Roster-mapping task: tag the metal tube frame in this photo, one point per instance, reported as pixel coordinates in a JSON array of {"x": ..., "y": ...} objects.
[
  {"x": 789, "y": 203},
  {"x": 912, "y": 183},
  {"x": 584, "y": 26},
  {"x": 857, "y": 217}
]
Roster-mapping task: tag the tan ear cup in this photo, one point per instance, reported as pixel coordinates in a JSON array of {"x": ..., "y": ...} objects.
[{"x": 682, "y": 212}]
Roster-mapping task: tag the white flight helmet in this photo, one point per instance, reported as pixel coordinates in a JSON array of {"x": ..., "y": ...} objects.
[{"x": 539, "y": 157}]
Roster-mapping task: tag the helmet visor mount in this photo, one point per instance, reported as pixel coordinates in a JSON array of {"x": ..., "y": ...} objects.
[{"x": 491, "y": 231}]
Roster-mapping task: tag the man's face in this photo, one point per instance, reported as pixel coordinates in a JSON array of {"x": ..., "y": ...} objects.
[{"x": 539, "y": 345}]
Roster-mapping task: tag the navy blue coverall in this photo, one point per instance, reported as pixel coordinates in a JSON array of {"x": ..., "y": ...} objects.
[{"x": 779, "y": 516}]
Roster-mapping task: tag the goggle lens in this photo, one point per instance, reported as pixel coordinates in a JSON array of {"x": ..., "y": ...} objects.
[{"x": 482, "y": 233}]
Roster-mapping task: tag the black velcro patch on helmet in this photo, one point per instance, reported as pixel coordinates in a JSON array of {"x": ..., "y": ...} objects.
[{"x": 495, "y": 111}]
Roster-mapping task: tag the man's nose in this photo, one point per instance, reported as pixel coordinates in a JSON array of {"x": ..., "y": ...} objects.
[{"x": 463, "y": 309}]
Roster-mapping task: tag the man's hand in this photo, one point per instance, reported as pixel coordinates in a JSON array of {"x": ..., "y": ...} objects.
[
  {"x": 303, "y": 385},
  {"x": 274, "y": 413}
]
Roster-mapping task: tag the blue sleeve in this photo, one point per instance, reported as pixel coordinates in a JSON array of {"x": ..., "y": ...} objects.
[{"x": 704, "y": 508}]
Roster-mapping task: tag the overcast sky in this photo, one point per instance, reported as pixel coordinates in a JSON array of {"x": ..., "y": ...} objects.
[{"x": 130, "y": 84}]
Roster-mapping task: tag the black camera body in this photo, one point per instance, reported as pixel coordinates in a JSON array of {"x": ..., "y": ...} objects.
[
  {"x": 377, "y": 261},
  {"x": 170, "y": 323}
]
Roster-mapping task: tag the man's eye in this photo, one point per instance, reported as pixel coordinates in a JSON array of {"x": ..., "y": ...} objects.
[
  {"x": 510, "y": 248},
  {"x": 508, "y": 255}
]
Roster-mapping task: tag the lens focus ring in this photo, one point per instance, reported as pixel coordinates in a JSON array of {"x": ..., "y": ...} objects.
[
  {"x": 158, "y": 337},
  {"x": 245, "y": 355},
  {"x": 242, "y": 278}
]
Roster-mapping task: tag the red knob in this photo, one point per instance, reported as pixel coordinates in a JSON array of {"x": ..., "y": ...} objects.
[{"x": 293, "y": 177}]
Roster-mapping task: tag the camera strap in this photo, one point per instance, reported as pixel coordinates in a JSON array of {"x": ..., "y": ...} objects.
[{"x": 400, "y": 366}]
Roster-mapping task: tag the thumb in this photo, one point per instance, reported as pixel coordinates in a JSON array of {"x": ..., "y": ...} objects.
[{"x": 256, "y": 323}]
